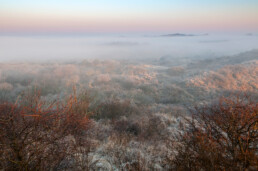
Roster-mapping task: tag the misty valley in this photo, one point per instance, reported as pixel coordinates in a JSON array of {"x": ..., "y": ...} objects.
[{"x": 156, "y": 113}]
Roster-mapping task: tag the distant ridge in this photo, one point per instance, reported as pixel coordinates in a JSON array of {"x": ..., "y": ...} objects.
[
  {"x": 249, "y": 34},
  {"x": 181, "y": 35}
]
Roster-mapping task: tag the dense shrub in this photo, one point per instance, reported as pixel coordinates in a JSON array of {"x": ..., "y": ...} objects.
[
  {"x": 125, "y": 126},
  {"x": 222, "y": 136},
  {"x": 36, "y": 137},
  {"x": 175, "y": 71},
  {"x": 114, "y": 109},
  {"x": 14, "y": 77}
]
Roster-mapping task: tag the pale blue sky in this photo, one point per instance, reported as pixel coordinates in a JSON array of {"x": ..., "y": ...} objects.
[
  {"x": 125, "y": 3},
  {"x": 152, "y": 15}
]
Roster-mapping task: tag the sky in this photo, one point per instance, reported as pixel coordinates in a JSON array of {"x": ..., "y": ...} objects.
[{"x": 111, "y": 16}]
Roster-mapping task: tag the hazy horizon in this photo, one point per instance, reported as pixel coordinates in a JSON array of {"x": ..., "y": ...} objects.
[
  {"x": 132, "y": 47},
  {"x": 64, "y": 30}
]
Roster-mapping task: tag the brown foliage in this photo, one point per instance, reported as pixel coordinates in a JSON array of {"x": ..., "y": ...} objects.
[
  {"x": 222, "y": 136},
  {"x": 35, "y": 136}
]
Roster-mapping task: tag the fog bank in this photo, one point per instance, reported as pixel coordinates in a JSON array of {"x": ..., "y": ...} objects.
[{"x": 45, "y": 48}]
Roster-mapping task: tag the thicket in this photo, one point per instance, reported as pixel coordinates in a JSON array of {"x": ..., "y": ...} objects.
[
  {"x": 36, "y": 135},
  {"x": 221, "y": 136},
  {"x": 39, "y": 135}
]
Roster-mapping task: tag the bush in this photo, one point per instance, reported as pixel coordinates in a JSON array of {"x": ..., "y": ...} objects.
[
  {"x": 221, "y": 136},
  {"x": 114, "y": 109},
  {"x": 36, "y": 137},
  {"x": 124, "y": 126}
]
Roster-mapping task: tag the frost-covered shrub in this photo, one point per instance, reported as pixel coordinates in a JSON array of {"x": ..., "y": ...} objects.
[
  {"x": 6, "y": 86},
  {"x": 174, "y": 94},
  {"x": 175, "y": 71},
  {"x": 114, "y": 109},
  {"x": 126, "y": 126},
  {"x": 18, "y": 77}
]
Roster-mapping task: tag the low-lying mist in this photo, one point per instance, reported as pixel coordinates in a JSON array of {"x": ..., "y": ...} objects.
[{"x": 63, "y": 48}]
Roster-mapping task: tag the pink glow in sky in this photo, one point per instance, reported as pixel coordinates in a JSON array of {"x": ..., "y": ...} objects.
[{"x": 116, "y": 16}]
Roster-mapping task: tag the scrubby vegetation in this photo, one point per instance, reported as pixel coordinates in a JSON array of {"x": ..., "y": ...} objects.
[
  {"x": 130, "y": 115},
  {"x": 220, "y": 136},
  {"x": 39, "y": 136}
]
